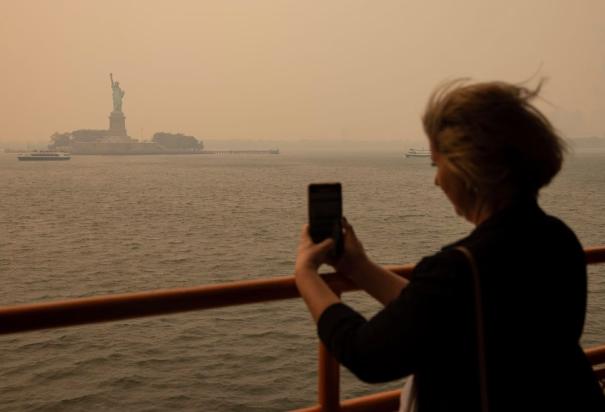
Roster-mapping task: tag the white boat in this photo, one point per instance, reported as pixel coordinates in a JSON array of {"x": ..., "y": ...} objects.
[
  {"x": 418, "y": 153},
  {"x": 44, "y": 155}
]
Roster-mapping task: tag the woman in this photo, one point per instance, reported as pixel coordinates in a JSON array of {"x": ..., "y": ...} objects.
[{"x": 493, "y": 151}]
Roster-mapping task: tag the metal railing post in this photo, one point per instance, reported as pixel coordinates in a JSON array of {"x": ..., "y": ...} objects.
[{"x": 328, "y": 381}]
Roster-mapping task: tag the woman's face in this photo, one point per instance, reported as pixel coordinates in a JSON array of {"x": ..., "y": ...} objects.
[{"x": 452, "y": 185}]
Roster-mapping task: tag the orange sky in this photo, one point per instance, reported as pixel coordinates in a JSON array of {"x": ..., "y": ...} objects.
[{"x": 285, "y": 69}]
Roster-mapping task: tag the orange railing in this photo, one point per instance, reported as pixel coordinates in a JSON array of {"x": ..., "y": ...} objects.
[{"x": 37, "y": 316}]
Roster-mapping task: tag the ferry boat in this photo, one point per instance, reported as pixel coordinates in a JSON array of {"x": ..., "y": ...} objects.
[
  {"x": 44, "y": 155},
  {"x": 418, "y": 153}
]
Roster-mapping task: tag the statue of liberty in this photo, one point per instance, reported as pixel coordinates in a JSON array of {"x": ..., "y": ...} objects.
[{"x": 118, "y": 94}]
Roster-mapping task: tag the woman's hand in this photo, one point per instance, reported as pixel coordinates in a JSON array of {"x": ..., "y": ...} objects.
[
  {"x": 311, "y": 256},
  {"x": 315, "y": 292},
  {"x": 383, "y": 285},
  {"x": 354, "y": 256}
]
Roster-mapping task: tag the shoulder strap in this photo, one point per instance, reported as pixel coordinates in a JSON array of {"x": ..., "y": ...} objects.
[{"x": 480, "y": 327}]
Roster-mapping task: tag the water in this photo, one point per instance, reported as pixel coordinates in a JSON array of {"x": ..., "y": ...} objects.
[{"x": 99, "y": 225}]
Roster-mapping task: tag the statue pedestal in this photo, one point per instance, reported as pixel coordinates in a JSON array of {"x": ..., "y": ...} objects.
[{"x": 117, "y": 124}]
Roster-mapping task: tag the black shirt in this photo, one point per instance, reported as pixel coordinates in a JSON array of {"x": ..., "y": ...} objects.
[{"x": 533, "y": 284}]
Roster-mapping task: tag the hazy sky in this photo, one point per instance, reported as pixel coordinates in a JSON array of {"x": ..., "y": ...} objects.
[{"x": 285, "y": 69}]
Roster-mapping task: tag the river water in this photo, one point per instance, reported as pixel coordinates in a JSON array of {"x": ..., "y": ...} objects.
[{"x": 115, "y": 224}]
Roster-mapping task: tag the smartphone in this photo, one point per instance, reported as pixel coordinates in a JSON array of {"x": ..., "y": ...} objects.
[{"x": 325, "y": 214}]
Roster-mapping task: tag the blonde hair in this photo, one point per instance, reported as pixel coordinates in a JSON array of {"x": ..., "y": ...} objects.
[{"x": 493, "y": 138}]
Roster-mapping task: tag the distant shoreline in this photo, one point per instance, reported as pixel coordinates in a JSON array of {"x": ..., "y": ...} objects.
[
  {"x": 586, "y": 142},
  {"x": 200, "y": 152}
]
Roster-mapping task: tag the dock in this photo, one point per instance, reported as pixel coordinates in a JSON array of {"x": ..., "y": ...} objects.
[{"x": 232, "y": 152}]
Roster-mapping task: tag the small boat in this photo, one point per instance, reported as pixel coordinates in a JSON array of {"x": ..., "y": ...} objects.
[
  {"x": 418, "y": 153},
  {"x": 44, "y": 155}
]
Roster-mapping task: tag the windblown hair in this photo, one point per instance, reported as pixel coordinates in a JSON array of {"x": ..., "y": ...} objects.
[{"x": 493, "y": 138}]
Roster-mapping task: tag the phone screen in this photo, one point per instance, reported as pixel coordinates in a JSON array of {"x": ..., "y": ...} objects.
[{"x": 325, "y": 213}]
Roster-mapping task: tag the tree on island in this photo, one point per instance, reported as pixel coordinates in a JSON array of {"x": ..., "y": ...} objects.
[
  {"x": 177, "y": 141},
  {"x": 60, "y": 140},
  {"x": 65, "y": 140}
]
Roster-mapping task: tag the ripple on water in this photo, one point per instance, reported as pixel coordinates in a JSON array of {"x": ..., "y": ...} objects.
[{"x": 141, "y": 223}]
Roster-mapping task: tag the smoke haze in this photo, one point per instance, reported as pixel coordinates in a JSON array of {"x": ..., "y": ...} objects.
[{"x": 285, "y": 70}]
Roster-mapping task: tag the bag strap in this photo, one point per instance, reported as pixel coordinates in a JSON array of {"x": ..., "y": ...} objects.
[{"x": 480, "y": 327}]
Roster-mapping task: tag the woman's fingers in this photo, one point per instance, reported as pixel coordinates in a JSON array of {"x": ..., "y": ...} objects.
[
  {"x": 305, "y": 236},
  {"x": 324, "y": 246},
  {"x": 305, "y": 231},
  {"x": 345, "y": 222},
  {"x": 350, "y": 235},
  {"x": 347, "y": 226},
  {"x": 317, "y": 249}
]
